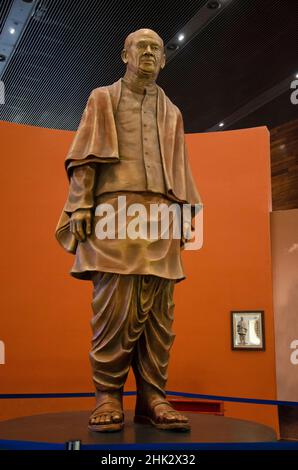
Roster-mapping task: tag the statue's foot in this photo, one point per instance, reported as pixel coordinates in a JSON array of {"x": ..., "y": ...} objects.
[
  {"x": 160, "y": 413},
  {"x": 108, "y": 414}
]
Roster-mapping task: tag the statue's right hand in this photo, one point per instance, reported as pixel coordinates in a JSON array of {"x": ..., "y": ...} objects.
[{"x": 80, "y": 224}]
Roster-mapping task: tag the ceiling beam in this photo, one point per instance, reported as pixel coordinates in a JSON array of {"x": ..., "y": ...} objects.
[
  {"x": 258, "y": 102},
  {"x": 195, "y": 26},
  {"x": 13, "y": 29}
]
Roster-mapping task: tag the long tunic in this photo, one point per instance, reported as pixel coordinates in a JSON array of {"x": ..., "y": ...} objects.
[{"x": 138, "y": 176}]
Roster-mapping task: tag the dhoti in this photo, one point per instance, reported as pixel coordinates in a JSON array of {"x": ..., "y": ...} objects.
[{"x": 132, "y": 326}]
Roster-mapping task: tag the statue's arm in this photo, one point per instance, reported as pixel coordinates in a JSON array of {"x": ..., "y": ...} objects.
[
  {"x": 80, "y": 201},
  {"x": 187, "y": 223}
]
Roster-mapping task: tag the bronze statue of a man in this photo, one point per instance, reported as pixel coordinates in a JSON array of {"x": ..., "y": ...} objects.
[{"x": 130, "y": 142}]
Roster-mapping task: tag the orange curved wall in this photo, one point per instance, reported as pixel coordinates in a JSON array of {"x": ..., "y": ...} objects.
[{"x": 45, "y": 313}]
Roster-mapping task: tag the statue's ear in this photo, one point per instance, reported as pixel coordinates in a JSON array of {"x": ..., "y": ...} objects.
[
  {"x": 163, "y": 61},
  {"x": 124, "y": 56}
]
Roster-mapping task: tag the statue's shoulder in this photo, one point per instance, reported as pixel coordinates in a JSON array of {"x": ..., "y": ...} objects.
[
  {"x": 108, "y": 93},
  {"x": 100, "y": 91},
  {"x": 102, "y": 95}
]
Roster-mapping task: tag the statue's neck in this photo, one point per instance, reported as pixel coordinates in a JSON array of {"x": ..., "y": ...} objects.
[{"x": 138, "y": 82}]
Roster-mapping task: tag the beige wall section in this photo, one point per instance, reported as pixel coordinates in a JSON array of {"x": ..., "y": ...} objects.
[{"x": 284, "y": 236}]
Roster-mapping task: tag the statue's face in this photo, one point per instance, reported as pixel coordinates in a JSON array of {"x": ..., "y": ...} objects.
[{"x": 145, "y": 55}]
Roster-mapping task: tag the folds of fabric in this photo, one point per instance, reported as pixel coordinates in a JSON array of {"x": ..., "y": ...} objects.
[
  {"x": 132, "y": 325},
  {"x": 81, "y": 189},
  {"x": 158, "y": 256},
  {"x": 96, "y": 141}
]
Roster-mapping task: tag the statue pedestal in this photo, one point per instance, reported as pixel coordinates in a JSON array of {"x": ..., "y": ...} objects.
[{"x": 52, "y": 431}]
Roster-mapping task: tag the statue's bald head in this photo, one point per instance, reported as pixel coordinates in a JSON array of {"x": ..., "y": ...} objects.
[
  {"x": 139, "y": 32},
  {"x": 144, "y": 53}
]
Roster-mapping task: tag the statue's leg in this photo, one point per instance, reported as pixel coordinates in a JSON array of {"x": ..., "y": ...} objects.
[
  {"x": 117, "y": 324},
  {"x": 151, "y": 357}
]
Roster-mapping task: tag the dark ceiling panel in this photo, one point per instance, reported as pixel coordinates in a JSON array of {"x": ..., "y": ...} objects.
[
  {"x": 69, "y": 48},
  {"x": 273, "y": 114},
  {"x": 4, "y": 10},
  {"x": 247, "y": 50}
]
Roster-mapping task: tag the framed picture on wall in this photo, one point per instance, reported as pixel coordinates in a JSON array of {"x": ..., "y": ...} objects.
[{"x": 248, "y": 330}]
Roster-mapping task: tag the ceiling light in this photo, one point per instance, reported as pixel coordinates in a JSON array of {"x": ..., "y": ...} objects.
[
  {"x": 213, "y": 5},
  {"x": 13, "y": 29},
  {"x": 221, "y": 124},
  {"x": 2, "y": 58},
  {"x": 172, "y": 47},
  {"x": 296, "y": 75},
  {"x": 181, "y": 37}
]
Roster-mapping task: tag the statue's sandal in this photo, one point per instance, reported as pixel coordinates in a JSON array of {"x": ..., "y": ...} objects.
[
  {"x": 147, "y": 415},
  {"x": 116, "y": 418}
]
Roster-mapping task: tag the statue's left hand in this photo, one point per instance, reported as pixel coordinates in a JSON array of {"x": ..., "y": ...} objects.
[{"x": 80, "y": 224}]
